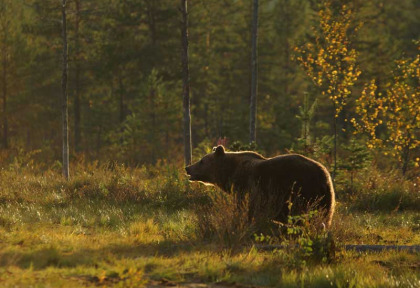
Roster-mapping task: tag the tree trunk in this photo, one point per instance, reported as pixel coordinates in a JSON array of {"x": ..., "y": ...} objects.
[
  {"x": 406, "y": 150},
  {"x": 151, "y": 20},
  {"x": 4, "y": 82},
  {"x": 335, "y": 146},
  {"x": 65, "y": 112},
  {"x": 206, "y": 88},
  {"x": 154, "y": 138},
  {"x": 254, "y": 74},
  {"x": 121, "y": 104},
  {"x": 77, "y": 132},
  {"x": 4, "y": 92},
  {"x": 121, "y": 100},
  {"x": 99, "y": 136},
  {"x": 186, "y": 84}
]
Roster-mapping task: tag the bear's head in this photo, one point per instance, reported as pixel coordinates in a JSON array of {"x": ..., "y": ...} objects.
[{"x": 208, "y": 168}]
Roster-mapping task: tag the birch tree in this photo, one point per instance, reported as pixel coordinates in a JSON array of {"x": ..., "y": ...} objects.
[
  {"x": 397, "y": 111},
  {"x": 186, "y": 83},
  {"x": 254, "y": 74},
  {"x": 331, "y": 63},
  {"x": 77, "y": 132},
  {"x": 64, "y": 111}
]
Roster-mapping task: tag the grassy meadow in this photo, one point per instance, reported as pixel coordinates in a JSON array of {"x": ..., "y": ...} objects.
[{"x": 148, "y": 226}]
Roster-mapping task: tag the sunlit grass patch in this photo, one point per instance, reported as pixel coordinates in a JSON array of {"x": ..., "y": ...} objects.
[
  {"x": 376, "y": 228},
  {"x": 375, "y": 190}
]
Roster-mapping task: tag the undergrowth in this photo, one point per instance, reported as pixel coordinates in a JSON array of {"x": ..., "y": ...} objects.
[{"x": 375, "y": 190}]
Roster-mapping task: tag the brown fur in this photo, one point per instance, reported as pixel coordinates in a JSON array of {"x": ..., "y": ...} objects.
[{"x": 272, "y": 182}]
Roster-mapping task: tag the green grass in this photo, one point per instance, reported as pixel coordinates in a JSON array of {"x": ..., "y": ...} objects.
[{"x": 122, "y": 227}]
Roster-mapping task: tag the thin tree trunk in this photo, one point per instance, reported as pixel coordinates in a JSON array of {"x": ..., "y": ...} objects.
[
  {"x": 122, "y": 105},
  {"x": 65, "y": 112},
  {"x": 186, "y": 84},
  {"x": 4, "y": 84},
  {"x": 99, "y": 136},
  {"x": 206, "y": 89},
  {"x": 77, "y": 132},
  {"x": 206, "y": 120},
  {"x": 406, "y": 157},
  {"x": 406, "y": 150},
  {"x": 151, "y": 20},
  {"x": 335, "y": 146},
  {"x": 153, "y": 118},
  {"x": 286, "y": 47},
  {"x": 167, "y": 128},
  {"x": 254, "y": 76}
]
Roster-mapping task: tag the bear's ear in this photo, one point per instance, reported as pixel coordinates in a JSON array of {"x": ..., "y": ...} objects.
[{"x": 219, "y": 150}]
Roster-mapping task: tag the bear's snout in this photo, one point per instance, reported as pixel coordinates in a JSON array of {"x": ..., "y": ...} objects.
[{"x": 188, "y": 170}]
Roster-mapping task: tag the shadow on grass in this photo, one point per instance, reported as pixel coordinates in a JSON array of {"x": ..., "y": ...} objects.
[{"x": 52, "y": 257}]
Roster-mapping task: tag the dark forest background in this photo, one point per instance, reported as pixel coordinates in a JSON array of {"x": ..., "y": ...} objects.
[{"x": 125, "y": 80}]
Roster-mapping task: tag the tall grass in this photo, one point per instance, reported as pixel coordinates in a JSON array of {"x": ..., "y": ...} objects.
[
  {"x": 108, "y": 195},
  {"x": 375, "y": 190},
  {"x": 225, "y": 221}
]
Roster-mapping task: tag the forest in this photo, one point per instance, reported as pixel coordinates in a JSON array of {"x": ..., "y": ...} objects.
[{"x": 119, "y": 96}]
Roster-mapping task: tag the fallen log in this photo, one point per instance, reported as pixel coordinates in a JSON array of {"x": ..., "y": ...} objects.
[
  {"x": 357, "y": 248},
  {"x": 380, "y": 248}
]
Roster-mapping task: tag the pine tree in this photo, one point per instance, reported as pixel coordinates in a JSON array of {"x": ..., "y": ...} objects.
[{"x": 306, "y": 113}]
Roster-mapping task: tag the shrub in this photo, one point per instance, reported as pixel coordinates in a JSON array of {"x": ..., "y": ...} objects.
[{"x": 224, "y": 220}]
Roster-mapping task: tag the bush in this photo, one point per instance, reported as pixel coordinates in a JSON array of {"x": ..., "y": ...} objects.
[
  {"x": 309, "y": 239},
  {"x": 224, "y": 220},
  {"x": 300, "y": 241}
]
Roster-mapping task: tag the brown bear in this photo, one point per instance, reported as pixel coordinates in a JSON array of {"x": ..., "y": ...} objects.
[{"x": 277, "y": 182}]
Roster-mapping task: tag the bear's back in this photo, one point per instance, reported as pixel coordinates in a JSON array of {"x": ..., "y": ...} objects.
[
  {"x": 294, "y": 170},
  {"x": 288, "y": 163}
]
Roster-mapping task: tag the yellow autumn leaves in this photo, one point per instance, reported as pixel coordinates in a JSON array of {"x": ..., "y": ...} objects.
[
  {"x": 331, "y": 62},
  {"x": 397, "y": 111},
  {"x": 392, "y": 110}
]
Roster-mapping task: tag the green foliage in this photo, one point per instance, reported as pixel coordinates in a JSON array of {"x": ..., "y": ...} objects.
[
  {"x": 357, "y": 157},
  {"x": 238, "y": 146},
  {"x": 305, "y": 239},
  {"x": 203, "y": 148},
  {"x": 306, "y": 113},
  {"x": 323, "y": 147},
  {"x": 156, "y": 98},
  {"x": 320, "y": 149}
]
